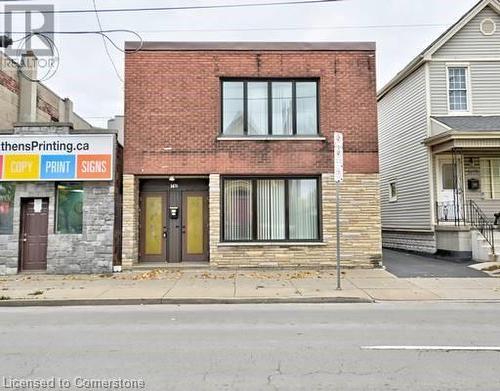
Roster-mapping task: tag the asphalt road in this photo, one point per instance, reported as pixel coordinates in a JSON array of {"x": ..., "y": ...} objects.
[
  {"x": 255, "y": 347},
  {"x": 408, "y": 265}
]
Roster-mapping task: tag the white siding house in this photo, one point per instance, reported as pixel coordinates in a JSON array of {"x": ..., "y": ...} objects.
[{"x": 439, "y": 133}]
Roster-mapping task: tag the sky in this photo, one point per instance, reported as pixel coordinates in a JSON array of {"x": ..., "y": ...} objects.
[{"x": 400, "y": 28}]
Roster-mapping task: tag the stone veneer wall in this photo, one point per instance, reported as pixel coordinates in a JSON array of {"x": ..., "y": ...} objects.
[
  {"x": 130, "y": 248},
  {"x": 89, "y": 252},
  {"x": 360, "y": 224}
]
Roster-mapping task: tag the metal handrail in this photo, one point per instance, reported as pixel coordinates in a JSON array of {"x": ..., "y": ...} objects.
[{"x": 480, "y": 222}]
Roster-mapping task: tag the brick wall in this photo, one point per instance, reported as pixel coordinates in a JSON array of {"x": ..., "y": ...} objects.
[{"x": 172, "y": 100}]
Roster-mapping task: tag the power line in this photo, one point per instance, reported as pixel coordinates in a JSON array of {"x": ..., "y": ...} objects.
[
  {"x": 105, "y": 43},
  {"x": 180, "y": 8}
]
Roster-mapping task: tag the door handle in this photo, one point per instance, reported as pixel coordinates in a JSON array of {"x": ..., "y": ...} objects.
[
  {"x": 164, "y": 232},
  {"x": 183, "y": 229}
]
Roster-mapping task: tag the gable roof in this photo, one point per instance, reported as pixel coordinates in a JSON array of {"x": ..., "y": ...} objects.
[{"x": 426, "y": 54}]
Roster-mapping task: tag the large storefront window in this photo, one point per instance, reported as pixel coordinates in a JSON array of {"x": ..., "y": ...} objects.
[
  {"x": 69, "y": 208},
  {"x": 7, "y": 192},
  {"x": 271, "y": 209}
]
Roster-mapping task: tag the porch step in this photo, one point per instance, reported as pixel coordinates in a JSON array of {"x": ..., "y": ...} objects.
[{"x": 481, "y": 249}]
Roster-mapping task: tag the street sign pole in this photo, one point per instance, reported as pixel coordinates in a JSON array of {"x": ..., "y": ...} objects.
[{"x": 339, "y": 177}]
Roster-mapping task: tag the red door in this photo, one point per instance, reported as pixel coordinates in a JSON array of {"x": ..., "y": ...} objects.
[{"x": 34, "y": 229}]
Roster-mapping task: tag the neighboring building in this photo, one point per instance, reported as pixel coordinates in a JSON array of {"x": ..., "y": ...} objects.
[
  {"x": 229, "y": 153},
  {"x": 17, "y": 104},
  {"x": 439, "y": 126},
  {"x": 60, "y": 184},
  {"x": 118, "y": 123}
]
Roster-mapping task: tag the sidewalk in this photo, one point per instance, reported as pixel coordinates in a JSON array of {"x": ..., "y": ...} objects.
[{"x": 166, "y": 286}]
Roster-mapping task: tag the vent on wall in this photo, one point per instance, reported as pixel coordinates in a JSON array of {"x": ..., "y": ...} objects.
[{"x": 488, "y": 26}]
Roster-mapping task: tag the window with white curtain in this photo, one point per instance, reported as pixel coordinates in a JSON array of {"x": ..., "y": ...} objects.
[
  {"x": 238, "y": 210},
  {"x": 303, "y": 209},
  {"x": 270, "y": 209},
  {"x": 270, "y": 107}
]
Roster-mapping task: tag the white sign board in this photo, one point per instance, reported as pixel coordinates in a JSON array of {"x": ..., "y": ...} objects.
[
  {"x": 38, "y": 205},
  {"x": 338, "y": 148},
  {"x": 54, "y": 158}
]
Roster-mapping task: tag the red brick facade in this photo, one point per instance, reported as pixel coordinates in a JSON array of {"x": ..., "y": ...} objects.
[{"x": 173, "y": 112}]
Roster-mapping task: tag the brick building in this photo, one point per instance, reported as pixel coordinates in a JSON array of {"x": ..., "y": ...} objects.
[{"x": 229, "y": 153}]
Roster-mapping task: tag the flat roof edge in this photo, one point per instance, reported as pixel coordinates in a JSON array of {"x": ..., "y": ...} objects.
[{"x": 250, "y": 46}]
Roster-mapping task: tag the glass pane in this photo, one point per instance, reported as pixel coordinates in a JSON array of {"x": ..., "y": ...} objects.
[
  {"x": 447, "y": 177},
  {"x": 303, "y": 209},
  {"x": 457, "y": 82},
  {"x": 232, "y": 117},
  {"x": 282, "y": 108},
  {"x": 306, "y": 108},
  {"x": 237, "y": 210},
  {"x": 153, "y": 225},
  {"x": 270, "y": 209},
  {"x": 486, "y": 180},
  {"x": 7, "y": 193},
  {"x": 194, "y": 226},
  {"x": 495, "y": 178},
  {"x": 69, "y": 209},
  {"x": 257, "y": 108}
]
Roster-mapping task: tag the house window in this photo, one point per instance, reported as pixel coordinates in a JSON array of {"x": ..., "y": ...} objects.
[
  {"x": 69, "y": 211},
  {"x": 447, "y": 176},
  {"x": 490, "y": 178},
  {"x": 270, "y": 209},
  {"x": 269, "y": 107},
  {"x": 7, "y": 193},
  {"x": 393, "y": 192},
  {"x": 457, "y": 89}
]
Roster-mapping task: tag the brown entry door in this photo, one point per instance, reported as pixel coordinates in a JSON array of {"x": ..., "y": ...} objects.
[
  {"x": 153, "y": 227},
  {"x": 194, "y": 226},
  {"x": 34, "y": 230}
]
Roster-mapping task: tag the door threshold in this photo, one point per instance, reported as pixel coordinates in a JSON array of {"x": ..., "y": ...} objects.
[{"x": 167, "y": 265}]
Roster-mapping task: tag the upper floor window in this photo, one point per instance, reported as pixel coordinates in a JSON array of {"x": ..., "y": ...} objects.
[
  {"x": 269, "y": 107},
  {"x": 457, "y": 89}
]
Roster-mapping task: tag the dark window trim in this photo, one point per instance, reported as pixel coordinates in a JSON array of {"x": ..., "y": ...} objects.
[
  {"x": 246, "y": 80},
  {"x": 254, "y": 180},
  {"x": 13, "y": 203}
]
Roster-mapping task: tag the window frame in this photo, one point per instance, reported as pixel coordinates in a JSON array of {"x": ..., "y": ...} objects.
[
  {"x": 393, "y": 197},
  {"x": 468, "y": 91},
  {"x": 494, "y": 195},
  {"x": 286, "y": 179},
  {"x": 56, "y": 208},
  {"x": 269, "y": 81},
  {"x": 12, "y": 205}
]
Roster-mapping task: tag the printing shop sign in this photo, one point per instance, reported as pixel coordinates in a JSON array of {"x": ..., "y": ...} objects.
[{"x": 57, "y": 158}]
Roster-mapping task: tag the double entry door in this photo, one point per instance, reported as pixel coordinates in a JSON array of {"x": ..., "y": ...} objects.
[{"x": 174, "y": 226}]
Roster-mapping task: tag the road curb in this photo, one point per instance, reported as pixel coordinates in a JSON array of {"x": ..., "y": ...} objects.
[{"x": 178, "y": 301}]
